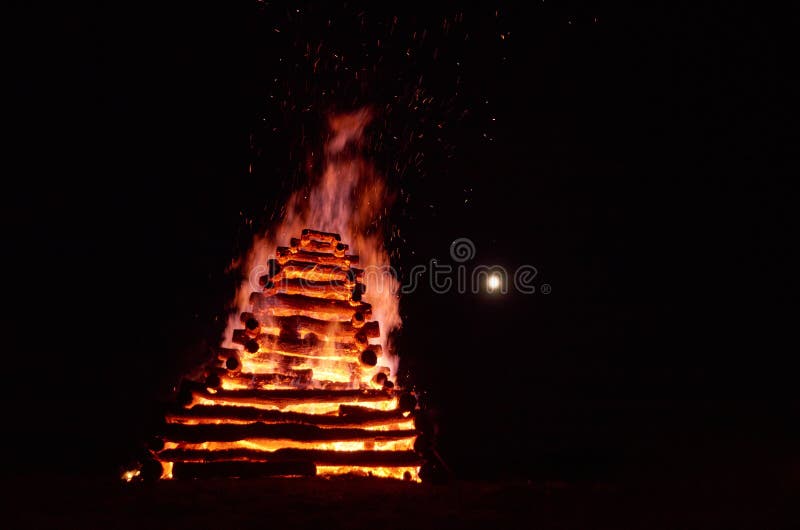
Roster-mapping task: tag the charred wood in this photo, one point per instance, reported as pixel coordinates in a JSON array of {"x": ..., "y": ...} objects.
[
  {"x": 282, "y": 397},
  {"x": 232, "y": 432},
  {"x": 288, "y": 304},
  {"x": 319, "y": 457},
  {"x": 362, "y": 418}
]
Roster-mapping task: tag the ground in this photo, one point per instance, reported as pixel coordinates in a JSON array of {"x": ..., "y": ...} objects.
[{"x": 355, "y": 503}]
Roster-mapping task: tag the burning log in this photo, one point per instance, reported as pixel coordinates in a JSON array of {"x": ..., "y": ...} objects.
[
  {"x": 357, "y": 411},
  {"x": 328, "y": 289},
  {"x": 291, "y": 344},
  {"x": 191, "y": 470},
  {"x": 293, "y": 304},
  {"x": 252, "y": 326},
  {"x": 309, "y": 234},
  {"x": 282, "y": 363},
  {"x": 369, "y": 357},
  {"x": 282, "y": 398},
  {"x": 363, "y": 417},
  {"x": 309, "y": 346},
  {"x": 318, "y": 456},
  {"x": 358, "y": 319},
  {"x": 318, "y": 258},
  {"x": 318, "y": 246},
  {"x": 251, "y": 345},
  {"x": 329, "y": 328},
  {"x": 232, "y": 432},
  {"x": 308, "y": 334},
  {"x": 292, "y": 377},
  {"x": 232, "y": 363},
  {"x": 229, "y": 358},
  {"x": 309, "y": 271}
]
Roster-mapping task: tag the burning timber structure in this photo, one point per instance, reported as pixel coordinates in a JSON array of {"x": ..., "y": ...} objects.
[{"x": 308, "y": 393}]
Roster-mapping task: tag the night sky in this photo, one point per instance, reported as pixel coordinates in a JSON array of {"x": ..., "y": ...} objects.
[{"x": 637, "y": 159}]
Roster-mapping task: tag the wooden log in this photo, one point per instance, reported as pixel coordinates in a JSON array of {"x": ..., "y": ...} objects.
[
  {"x": 358, "y": 319},
  {"x": 317, "y": 235},
  {"x": 284, "y": 254},
  {"x": 193, "y": 470},
  {"x": 282, "y": 398},
  {"x": 233, "y": 363},
  {"x": 318, "y": 246},
  {"x": 328, "y": 289},
  {"x": 310, "y": 271},
  {"x": 329, "y": 328},
  {"x": 319, "y": 456},
  {"x": 358, "y": 412},
  {"x": 285, "y": 365},
  {"x": 234, "y": 432},
  {"x": 229, "y": 358},
  {"x": 363, "y": 417},
  {"x": 321, "y": 308},
  {"x": 369, "y": 357},
  {"x": 290, "y": 377},
  {"x": 278, "y": 362},
  {"x": 310, "y": 345}
]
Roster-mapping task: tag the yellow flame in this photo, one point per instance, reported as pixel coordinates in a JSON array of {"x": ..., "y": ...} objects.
[{"x": 130, "y": 475}]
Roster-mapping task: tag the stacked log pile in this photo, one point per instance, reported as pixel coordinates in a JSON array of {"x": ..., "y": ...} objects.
[{"x": 309, "y": 391}]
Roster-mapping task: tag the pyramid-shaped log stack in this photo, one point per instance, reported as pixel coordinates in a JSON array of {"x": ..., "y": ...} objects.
[{"x": 307, "y": 394}]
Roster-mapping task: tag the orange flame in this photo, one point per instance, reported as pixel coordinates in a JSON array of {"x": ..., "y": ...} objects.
[{"x": 351, "y": 199}]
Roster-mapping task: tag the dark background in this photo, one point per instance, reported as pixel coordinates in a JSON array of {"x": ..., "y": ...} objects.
[{"x": 638, "y": 159}]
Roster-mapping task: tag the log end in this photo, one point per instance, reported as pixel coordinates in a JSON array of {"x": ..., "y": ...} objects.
[
  {"x": 369, "y": 357},
  {"x": 232, "y": 363}
]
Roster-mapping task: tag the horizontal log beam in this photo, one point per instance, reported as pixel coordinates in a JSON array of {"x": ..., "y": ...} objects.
[
  {"x": 310, "y": 345},
  {"x": 281, "y": 363},
  {"x": 292, "y": 304},
  {"x": 283, "y": 397},
  {"x": 277, "y": 365},
  {"x": 328, "y": 328},
  {"x": 233, "y": 432},
  {"x": 192, "y": 470},
  {"x": 285, "y": 254},
  {"x": 335, "y": 290},
  {"x": 369, "y": 417},
  {"x": 290, "y": 377},
  {"x": 309, "y": 271},
  {"x": 319, "y": 457},
  {"x": 318, "y": 246},
  {"x": 318, "y": 235},
  {"x": 292, "y": 345}
]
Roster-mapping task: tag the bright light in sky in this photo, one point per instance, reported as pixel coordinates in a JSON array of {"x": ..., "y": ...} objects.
[{"x": 493, "y": 282}]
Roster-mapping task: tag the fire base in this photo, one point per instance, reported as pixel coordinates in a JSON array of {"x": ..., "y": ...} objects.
[{"x": 309, "y": 392}]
